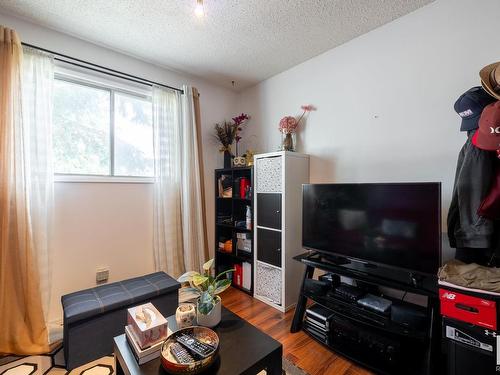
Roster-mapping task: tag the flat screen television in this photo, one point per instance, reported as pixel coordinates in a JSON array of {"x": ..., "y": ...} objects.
[{"x": 390, "y": 224}]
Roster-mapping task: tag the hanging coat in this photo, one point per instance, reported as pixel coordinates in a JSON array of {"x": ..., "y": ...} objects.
[
  {"x": 474, "y": 174},
  {"x": 490, "y": 206}
]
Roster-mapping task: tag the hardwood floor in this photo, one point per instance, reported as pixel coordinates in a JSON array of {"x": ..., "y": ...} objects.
[{"x": 298, "y": 347}]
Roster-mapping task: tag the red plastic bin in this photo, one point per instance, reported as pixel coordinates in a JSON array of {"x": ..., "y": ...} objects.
[{"x": 476, "y": 310}]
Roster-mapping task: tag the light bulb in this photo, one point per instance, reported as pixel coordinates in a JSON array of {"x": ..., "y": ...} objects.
[{"x": 198, "y": 10}]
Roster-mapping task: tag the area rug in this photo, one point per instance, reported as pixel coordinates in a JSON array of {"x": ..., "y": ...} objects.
[{"x": 51, "y": 364}]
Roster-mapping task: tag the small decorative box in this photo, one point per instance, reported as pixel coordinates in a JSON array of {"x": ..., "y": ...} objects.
[{"x": 148, "y": 325}]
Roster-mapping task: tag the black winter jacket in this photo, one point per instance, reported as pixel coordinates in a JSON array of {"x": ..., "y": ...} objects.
[{"x": 472, "y": 182}]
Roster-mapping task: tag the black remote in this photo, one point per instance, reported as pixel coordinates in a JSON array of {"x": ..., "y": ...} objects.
[
  {"x": 180, "y": 353},
  {"x": 195, "y": 345}
]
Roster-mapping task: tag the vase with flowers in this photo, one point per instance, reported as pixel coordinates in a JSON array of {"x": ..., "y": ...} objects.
[
  {"x": 227, "y": 133},
  {"x": 288, "y": 129}
]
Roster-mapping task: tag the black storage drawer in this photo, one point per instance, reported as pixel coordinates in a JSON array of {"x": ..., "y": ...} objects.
[
  {"x": 269, "y": 210},
  {"x": 470, "y": 349},
  {"x": 269, "y": 246}
]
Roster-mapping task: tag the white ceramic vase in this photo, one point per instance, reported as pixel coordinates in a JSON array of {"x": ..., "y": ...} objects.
[
  {"x": 212, "y": 318},
  {"x": 185, "y": 315}
]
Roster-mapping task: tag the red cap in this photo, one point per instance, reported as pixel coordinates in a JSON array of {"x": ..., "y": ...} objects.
[{"x": 487, "y": 137}]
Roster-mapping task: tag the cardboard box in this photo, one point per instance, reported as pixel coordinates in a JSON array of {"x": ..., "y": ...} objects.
[{"x": 147, "y": 331}]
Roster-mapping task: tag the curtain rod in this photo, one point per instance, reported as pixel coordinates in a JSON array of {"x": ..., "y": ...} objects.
[{"x": 101, "y": 69}]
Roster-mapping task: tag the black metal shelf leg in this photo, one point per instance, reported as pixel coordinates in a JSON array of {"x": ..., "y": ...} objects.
[{"x": 300, "y": 309}]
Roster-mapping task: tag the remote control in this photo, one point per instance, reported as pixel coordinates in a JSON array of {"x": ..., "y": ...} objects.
[
  {"x": 195, "y": 345},
  {"x": 180, "y": 353}
]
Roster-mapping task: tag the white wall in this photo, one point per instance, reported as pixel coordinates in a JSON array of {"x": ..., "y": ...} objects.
[
  {"x": 103, "y": 224},
  {"x": 385, "y": 99}
]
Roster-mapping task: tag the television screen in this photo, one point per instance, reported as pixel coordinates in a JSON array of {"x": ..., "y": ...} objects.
[{"x": 394, "y": 224}]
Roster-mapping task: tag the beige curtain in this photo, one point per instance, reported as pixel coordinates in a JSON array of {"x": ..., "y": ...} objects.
[
  {"x": 167, "y": 218},
  {"x": 197, "y": 115},
  {"x": 192, "y": 187},
  {"x": 180, "y": 232},
  {"x": 22, "y": 324}
]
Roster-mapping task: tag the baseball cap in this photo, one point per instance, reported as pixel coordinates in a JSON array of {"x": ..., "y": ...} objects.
[
  {"x": 470, "y": 105},
  {"x": 487, "y": 137}
]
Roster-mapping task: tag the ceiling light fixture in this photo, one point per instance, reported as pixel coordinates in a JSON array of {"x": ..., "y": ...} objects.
[{"x": 199, "y": 10}]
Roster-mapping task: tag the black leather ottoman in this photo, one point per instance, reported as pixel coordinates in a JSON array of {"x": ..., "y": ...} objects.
[{"x": 92, "y": 317}]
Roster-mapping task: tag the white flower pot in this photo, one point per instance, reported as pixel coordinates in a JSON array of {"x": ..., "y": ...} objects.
[{"x": 212, "y": 318}]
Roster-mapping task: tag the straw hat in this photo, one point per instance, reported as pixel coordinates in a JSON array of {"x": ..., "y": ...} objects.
[{"x": 490, "y": 79}]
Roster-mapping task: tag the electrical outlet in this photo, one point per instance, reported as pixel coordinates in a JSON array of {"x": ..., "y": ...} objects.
[{"x": 102, "y": 275}]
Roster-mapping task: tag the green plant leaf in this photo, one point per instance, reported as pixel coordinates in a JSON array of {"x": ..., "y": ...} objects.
[
  {"x": 206, "y": 297},
  {"x": 199, "y": 279},
  {"x": 211, "y": 289},
  {"x": 189, "y": 293},
  {"x": 186, "y": 277},
  {"x": 205, "y": 308},
  {"x": 206, "y": 303},
  {"x": 223, "y": 273},
  {"x": 208, "y": 265},
  {"x": 221, "y": 286}
]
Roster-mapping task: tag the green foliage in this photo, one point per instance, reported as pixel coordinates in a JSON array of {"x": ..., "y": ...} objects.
[
  {"x": 206, "y": 286},
  {"x": 81, "y": 132}
]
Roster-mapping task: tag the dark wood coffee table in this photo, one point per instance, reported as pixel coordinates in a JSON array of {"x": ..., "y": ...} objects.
[{"x": 243, "y": 349}]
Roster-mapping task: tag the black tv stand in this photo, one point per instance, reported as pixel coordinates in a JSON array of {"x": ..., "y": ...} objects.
[
  {"x": 331, "y": 259},
  {"x": 420, "y": 349}
]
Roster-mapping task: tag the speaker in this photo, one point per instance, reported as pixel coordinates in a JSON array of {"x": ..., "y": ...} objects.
[
  {"x": 409, "y": 316},
  {"x": 316, "y": 286}
]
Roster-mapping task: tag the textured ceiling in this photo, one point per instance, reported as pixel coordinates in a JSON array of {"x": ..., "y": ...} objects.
[{"x": 242, "y": 40}]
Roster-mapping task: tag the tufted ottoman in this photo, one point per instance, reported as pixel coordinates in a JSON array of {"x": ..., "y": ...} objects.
[{"x": 92, "y": 317}]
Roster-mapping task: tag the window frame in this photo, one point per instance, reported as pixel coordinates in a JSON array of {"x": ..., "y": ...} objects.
[{"x": 112, "y": 87}]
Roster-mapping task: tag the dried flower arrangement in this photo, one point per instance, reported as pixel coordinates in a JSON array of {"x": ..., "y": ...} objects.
[{"x": 228, "y": 132}]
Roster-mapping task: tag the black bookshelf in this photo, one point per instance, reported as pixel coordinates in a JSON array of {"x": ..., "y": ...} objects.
[{"x": 230, "y": 214}]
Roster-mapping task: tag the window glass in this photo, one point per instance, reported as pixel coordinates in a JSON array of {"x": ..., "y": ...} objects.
[
  {"x": 133, "y": 136},
  {"x": 81, "y": 129},
  {"x": 94, "y": 134}
]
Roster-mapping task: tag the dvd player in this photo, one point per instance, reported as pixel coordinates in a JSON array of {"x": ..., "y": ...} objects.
[{"x": 349, "y": 292}]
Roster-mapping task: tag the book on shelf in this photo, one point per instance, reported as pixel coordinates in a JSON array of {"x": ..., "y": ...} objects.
[
  {"x": 237, "y": 275},
  {"x": 242, "y": 275},
  {"x": 247, "y": 275},
  {"x": 142, "y": 355}
]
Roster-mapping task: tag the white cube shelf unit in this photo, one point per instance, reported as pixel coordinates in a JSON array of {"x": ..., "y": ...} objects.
[{"x": 278, "y": 226}]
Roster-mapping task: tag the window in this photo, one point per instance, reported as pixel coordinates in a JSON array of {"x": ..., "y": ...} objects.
[{"x": 101, "y": 131}]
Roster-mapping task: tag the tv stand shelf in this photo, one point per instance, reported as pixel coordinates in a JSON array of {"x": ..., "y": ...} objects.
[
  {"x": 363, "y": 316},
  {"x": 420, "y": 345},
  {"x": 390, "y": 278}
]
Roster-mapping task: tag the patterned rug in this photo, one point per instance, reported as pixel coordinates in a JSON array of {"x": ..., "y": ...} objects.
[{"x": 53, "y": 364}]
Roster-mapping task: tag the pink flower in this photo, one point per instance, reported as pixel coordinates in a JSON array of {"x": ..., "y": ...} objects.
[
  {"x": 288, "y": 124},
  {"x": 240, "y": 119},
  {"x": 308, "y": 108}
]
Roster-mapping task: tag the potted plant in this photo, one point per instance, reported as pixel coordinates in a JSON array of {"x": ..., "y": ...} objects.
[{"x": 207, "y": 288}]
